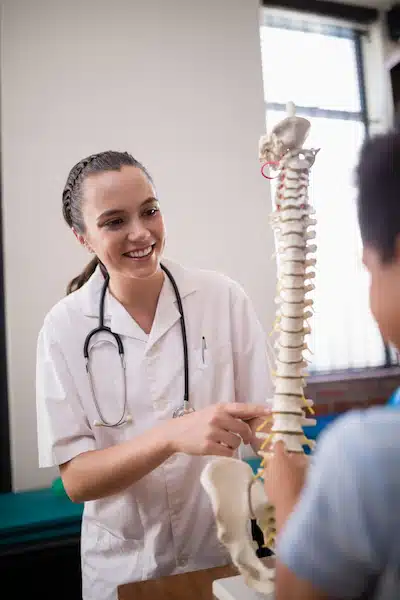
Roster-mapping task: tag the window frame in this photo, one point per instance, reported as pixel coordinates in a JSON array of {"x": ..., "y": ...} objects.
[{"x": 286, "y": 19}]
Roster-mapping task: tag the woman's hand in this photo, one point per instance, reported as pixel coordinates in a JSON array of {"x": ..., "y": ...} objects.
[
  {"x": 259, "y": 424},
  {"x": 215, "y": 430}
]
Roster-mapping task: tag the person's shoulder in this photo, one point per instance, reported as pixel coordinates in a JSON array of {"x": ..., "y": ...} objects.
[
  {"x": 65, "y": 311},
  {"x": 373, "y": 421},
  {"x": 208, "y": 279},
  {"x": 368, "y": 435}
]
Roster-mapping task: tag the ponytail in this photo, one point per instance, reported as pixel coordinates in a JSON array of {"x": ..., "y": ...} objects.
[{"x": 78, "y": 281}]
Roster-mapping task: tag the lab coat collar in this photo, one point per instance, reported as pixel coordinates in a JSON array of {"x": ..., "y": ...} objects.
[{"x": 116, "y": 317}]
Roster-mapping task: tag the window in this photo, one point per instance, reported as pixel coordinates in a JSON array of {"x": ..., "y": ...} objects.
[{"x": 319, "y": 68}]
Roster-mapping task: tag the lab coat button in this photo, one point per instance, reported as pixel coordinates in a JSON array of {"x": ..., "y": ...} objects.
[{"x": 182, "y": 561}]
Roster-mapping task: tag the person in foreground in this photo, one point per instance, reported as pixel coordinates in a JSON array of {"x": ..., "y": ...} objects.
[
  {"x": 338, "y": 521},
  {"x": 111, "y": 430}
]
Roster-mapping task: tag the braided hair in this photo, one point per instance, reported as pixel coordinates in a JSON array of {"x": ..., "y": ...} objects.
[{"x": 72, "y": 197}]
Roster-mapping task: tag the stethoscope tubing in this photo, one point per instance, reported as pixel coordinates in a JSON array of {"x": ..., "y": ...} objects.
[{"x": 102, "y": 328}]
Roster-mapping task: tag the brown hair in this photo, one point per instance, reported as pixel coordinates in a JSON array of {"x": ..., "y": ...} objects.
[{"x": 72, "y": 197}]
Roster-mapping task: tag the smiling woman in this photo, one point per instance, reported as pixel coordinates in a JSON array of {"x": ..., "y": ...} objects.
[
  {"x": 145, "y": 512},
  {"x": 108, "y": 181}
]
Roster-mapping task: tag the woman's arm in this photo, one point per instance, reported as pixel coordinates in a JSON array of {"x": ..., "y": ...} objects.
[
  {"x": 100, "y": 473},
  {"x": 215, "y": 430}
]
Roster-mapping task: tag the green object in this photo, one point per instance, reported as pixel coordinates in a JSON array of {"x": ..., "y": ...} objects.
[
  {"x": 58, "y": 487},
  {"x": 254, "y": 462},
  {"x": 38, "y": 514}
]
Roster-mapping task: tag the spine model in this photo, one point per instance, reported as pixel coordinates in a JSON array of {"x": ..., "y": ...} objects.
[
  {"x": 293, "y": 223},
  {"x": 236, "y": 494}
]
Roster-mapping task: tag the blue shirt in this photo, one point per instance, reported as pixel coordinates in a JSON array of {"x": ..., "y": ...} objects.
[{"x": 344, "y": 535}]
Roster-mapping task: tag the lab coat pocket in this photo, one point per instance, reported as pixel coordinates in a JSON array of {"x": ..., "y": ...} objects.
[
  {"x": 108, "y": 560},
  {"x": 120, "y": 515},
  {"x": 208, "y": 357},
  {"x": 212, "y": 375}
]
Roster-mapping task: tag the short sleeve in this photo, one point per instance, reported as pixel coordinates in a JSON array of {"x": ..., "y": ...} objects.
[
  {"x": 253, "y": 382},
  {"x": 62, "y": 427},
  {"x": 335, "y": 538}
]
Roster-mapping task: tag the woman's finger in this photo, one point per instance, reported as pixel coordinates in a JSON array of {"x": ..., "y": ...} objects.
[
  {"x": 236, "y": 426},
  {"x": 240, "y": 410},
  {"x": 216, "y": 449},
  {"x": 231, "y": 440}
]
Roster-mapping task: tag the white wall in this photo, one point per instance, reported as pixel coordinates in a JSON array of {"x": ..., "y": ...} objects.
[{"x": 178, "y": 84}]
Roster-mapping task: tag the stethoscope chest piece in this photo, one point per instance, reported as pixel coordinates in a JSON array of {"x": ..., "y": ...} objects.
[{"x": 182, "y": 411}]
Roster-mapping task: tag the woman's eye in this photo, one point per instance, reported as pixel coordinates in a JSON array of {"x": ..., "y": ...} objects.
[
  {"x": 151, "y": 211},
  {"x": 114, "y": 223}
]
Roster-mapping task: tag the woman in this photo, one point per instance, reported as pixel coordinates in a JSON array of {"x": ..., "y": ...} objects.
[{"x": 119, "y": 449}]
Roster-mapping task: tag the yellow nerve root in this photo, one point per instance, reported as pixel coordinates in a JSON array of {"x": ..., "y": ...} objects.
[
  {"x": 310, "y": 408},
  {"x": 267, "y": 420}
]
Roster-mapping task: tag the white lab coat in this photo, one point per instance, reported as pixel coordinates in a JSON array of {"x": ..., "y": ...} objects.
[{"x": 163, "y": 524}]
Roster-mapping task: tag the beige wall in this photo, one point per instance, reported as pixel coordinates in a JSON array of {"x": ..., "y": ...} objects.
[{"x": 178, "y": 84}]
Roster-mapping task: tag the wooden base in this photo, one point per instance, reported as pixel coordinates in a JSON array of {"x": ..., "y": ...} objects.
[
  {"x": 196, "y": 585},
  {"x": 235, "y": 588}
]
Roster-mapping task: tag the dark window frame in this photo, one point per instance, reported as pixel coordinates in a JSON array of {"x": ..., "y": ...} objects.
[{"x": 349, "y": 12}]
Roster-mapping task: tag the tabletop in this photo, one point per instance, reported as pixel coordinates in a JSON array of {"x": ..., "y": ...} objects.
[{"x": 196, "y": 585}]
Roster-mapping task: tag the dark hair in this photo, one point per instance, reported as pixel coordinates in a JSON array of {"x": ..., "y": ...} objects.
[
  {"x": 72, "y": 197},
  {"x": 378, "y": 181}
]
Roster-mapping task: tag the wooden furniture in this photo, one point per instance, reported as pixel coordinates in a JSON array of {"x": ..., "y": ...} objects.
[{"x": 196, "y": 585}]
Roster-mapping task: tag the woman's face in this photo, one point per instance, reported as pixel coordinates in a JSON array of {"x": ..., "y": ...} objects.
[{"x": 123, "y": 223}]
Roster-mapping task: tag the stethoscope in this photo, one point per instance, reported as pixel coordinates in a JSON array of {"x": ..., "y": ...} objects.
[{"x": 127, "y": 418}]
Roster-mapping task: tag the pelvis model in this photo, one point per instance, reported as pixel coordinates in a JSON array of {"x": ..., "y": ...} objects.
[{"x": 236, "y": 494}]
